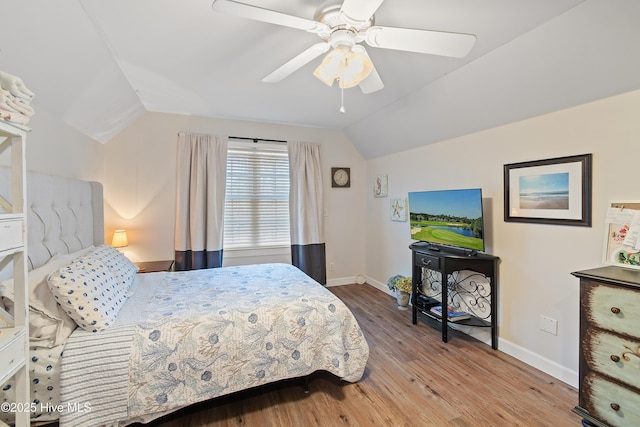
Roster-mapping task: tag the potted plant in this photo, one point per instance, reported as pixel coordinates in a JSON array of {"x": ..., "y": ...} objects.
[{"x": 401, "y": 285}]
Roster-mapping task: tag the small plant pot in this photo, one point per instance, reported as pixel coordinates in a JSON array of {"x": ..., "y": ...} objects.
[{"x": 403, "y": 300}]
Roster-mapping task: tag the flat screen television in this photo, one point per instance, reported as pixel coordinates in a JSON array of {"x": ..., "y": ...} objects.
[{"x": 448, "y": 218}]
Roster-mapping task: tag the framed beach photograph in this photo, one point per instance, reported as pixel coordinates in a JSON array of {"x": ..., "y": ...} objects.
[{"x": 551, "y": 191}]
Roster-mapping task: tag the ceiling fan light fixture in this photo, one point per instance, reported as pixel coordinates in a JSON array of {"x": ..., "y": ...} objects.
[
  {"x": 330, "y": 67},
  {"x": 358, "y": 68},
  {"x": 344, "y": 65},
  {"x": 343, "y": 24}
]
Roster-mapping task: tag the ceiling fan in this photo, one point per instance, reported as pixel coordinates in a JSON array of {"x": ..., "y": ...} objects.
[{"x": 343, "y": 26}]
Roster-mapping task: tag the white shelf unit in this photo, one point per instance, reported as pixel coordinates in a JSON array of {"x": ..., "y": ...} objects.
[{"x": 14, "y": 340}]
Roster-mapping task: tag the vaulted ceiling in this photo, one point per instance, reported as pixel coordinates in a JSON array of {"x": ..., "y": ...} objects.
[{"x": 98, "y": 65}]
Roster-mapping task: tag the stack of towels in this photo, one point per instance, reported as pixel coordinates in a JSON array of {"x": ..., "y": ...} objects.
[{"x": 14, "y": 100}]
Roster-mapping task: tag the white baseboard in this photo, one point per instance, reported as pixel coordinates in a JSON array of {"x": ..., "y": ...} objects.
[
  {"x": 352, "y": 280},
  {"x": 341, "y": 281},
  {"x": 379, "y": 286},
  {"x": 535, "y": 360},
  {"x": 539, "y": 362}
]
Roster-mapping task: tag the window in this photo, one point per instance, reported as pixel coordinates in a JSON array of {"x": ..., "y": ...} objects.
[{"x": 256, "y": 212}]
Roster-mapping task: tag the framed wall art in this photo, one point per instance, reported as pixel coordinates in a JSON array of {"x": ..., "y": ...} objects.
[
  {"x": 551, "y": 191},
  {"x": 622, "y": 238},
  {"x": 381, "y": 186},
  {"x": 398, "y": 209}
]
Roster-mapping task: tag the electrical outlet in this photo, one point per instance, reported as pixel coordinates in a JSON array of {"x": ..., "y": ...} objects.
[
  {"x": 332, "y": 266},
  {"x": 549, "y": 325}
]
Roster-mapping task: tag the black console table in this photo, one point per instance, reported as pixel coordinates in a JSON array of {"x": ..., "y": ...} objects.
[{"x": 471, "y": 284}]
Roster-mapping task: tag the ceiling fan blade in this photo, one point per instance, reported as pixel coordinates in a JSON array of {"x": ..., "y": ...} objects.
[
  {"x": 360, "y": 10},
  {"x": 297, "y": 62},
  {"x": 265, "y": 15},
  {"x": 373, "y": 82},
  {"x": 442, "y": 43}
]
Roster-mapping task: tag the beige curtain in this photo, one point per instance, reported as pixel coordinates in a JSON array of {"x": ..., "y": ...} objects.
[
  {"x": 200, "y": 191},
  {"x": 306, "y": 210}
]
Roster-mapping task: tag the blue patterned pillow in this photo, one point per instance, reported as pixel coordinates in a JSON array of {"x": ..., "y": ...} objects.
[
  {"x": 88, "y": 292},
  {"x": 123, "y": 269}
]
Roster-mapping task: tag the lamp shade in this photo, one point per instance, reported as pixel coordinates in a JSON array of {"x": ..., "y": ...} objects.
[
  {"x": 119, "y": 239},
  {"x": 344, "y": 65}
]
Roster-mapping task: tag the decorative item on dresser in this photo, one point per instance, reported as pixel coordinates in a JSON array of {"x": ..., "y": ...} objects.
[
  {"x": 609, "y": 381},
  {"x": 621, "y": 244}
]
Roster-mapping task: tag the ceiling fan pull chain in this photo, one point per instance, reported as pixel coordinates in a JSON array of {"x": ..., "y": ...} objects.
[{"x": 342, "y": 100}]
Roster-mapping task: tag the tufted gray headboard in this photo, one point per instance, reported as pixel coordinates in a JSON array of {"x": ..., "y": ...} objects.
[{"x": 64, "y": 215}]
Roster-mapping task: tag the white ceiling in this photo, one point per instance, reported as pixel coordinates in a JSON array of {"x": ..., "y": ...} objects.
[{"x": 98, "y": 65}]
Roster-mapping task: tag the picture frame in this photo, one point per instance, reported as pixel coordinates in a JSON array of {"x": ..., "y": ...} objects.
[
  {"x": 551, "y": 191},
  {"x": 621, "y": 246},
  {"x": 398, "y": 209},
  {"x": 381, "y": 186}
]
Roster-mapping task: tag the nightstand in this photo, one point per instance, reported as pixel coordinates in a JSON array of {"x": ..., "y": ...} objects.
[{"x": 154, "y": 266}]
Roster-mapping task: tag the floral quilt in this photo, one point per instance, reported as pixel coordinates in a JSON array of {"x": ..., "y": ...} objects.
[{"x": 212, "y": 332}]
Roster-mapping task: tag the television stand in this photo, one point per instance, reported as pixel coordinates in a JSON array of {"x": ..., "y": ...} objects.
[
  {"x": 471, "y": 285},
  {"x": 424, "y": 245}
]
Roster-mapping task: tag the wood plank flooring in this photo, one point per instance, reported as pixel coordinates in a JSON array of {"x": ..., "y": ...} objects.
[{"x": 412, "y": 379}]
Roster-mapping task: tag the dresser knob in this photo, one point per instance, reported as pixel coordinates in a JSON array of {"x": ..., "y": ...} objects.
[
  {"x": 615, "y": 358},
  {"x": 615, "y": 310},
  {"x": 615, "y": 406},
  {"x": 427, "y": 262}
]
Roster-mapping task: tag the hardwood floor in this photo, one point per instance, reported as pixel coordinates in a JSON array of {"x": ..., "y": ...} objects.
[{"x": 412, "y": 379}]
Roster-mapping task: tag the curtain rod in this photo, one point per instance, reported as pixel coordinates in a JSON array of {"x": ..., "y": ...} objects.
[{"x": 258, "y": 139}]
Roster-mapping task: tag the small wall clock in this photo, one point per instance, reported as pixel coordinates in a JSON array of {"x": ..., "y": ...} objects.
[{"x": 340, "y": 177}]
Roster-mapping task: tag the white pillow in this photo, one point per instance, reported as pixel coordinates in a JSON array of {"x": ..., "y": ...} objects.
[
  {"x": 123, "y": 269},
  {"x": 49, "y": 325},
  {"x": 75, "y": 255},
  {"x": 88, "y": 292}
]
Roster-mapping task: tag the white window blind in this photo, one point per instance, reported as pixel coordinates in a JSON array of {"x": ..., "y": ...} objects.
[{"x": 256, "y": 213}]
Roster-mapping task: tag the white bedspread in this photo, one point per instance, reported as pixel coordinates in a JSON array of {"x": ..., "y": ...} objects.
[{"x": 186, "y": 337}]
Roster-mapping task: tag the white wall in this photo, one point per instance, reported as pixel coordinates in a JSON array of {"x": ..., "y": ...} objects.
[
  {"x": 590, "y": 52},
  {"x": 55, "y": 148},
  {"x": 140, "y": 186},
  {"x": 536, "y": 259}
]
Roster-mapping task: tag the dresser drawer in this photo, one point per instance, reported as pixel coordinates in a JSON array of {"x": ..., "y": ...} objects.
[
  {"x": 10, "y": 234},
  {"x": 613, "y": 355},
  {"x": 610, "y": 402},
  {"x": 427, "y": 261},
  {"x": 612, "y": 308}
]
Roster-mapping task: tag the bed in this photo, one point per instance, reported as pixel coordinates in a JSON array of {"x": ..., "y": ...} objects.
[{"x": 161, "y": 341}]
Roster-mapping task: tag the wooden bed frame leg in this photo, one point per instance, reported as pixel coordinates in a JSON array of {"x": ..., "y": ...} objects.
[{"x": 305, "y": 385}]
